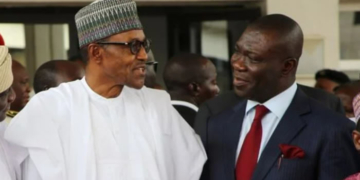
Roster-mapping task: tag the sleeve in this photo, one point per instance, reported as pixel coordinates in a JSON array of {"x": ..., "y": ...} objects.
[
  {"x": 188, "y": 153},
  {"x": 35, "y": 128},
  {"x": 339, "y": 158}
]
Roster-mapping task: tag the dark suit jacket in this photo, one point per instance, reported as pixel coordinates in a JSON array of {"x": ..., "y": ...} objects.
[
  {"x": 187, "y": 113},
  {"x": 230, "y": 99},
  {"x": 324, "y": 135},
  {"x": 329, "y": 100}
]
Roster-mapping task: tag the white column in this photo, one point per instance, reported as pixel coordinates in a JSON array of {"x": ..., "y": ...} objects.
[
  {"x": 58, "y": 42},
  {"x": 42, "y": 39}
]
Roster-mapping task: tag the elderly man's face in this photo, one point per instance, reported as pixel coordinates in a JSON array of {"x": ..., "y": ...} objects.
[
  {"x": 257, "y": 65},
  {"x": 6, "y": 98},
  {"x": 121, "y": 64}
]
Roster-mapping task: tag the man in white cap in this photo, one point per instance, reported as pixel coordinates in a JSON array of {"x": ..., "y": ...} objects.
[
  {"x": 7, "y": 96},
  {"x": 107, "y": 126}
]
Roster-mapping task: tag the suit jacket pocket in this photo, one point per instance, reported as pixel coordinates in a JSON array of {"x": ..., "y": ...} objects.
[{"x": 293, "y": 169}]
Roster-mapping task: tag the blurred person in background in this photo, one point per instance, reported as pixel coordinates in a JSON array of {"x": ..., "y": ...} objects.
[
  {"x": 78, "y": 59},
  {"x": 53, "y": 73},
  {"x": 328, "y": 79},
  {"x": 190, "y": 80},
  {"x": 21, "y": 86},
  {"x": 346, "y": 93},
  {"x": 150, "y": 77},
  {"x": 356, "y": 132}
]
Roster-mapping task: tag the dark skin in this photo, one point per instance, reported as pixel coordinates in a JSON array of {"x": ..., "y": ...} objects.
[
  {"x": 199, "y": 92},
  {"x": 21, "y": 86},
  {"x": 356, "y": 139},
  {"x": 6, "y": 98},
  {"x": 346, "y": 95},
  {"x": 68, "y": 71},
  {"x": 326, "y": 84},
  {"x": 111, "y": 67},
  {"x": 261, "y": 67}
]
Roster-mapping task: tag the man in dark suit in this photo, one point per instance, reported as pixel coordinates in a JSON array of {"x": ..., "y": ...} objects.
[
  {"x": 230, "y": 99},
  {"x": 273, "y": 130},
  {"x": 190, "y": 80}
]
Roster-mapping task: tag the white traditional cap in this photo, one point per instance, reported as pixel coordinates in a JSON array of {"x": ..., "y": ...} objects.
[
  {"x": 6, "y": 75},
  {"x": 104, "y": 18}
]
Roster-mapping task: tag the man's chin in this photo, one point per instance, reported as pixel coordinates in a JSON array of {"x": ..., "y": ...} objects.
[
  {"x": 243, "y": 93},
  {"x": 135, "y": 85}
]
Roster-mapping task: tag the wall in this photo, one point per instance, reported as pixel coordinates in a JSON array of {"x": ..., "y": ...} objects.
[
  {"x": 214, "y": 40},
  {"x": 319, "y": 20}
]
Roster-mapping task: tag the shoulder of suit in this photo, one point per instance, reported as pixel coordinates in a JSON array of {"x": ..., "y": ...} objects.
[
  {"x": 326, "y": 116},
  {"x": 225, "y": 99},
  {"x": 316, "y": 93}
]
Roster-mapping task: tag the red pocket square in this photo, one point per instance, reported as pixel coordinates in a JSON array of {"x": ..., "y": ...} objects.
[{"x": 291, "y": 152}]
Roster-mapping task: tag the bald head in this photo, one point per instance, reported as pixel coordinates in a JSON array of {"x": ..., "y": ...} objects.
[
  {"x": 191, "y": 75},
  {"x": 55, "y": 72},
  {"x": 184, "y": 69},
  {"x": 285, "y": 31}
]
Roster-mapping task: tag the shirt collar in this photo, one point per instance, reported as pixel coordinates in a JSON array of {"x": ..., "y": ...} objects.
[
  {"x": 95, "y": 96},
  {"x": 184, "y": 103},
  {"x": 277, "y": 104}
]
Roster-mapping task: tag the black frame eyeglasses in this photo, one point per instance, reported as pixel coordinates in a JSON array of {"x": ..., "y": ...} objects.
[{"x": 134, "y": 45}]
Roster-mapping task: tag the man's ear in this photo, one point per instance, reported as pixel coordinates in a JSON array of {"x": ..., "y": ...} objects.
[
  {"x": 289, "y": 66},
  {"x": 194, "y": 88},
  {"x": 95, "y": 52},
  {"x": 356, "y": 139}
]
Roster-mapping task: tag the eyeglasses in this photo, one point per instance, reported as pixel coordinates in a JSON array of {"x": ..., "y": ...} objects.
[{"x": 134, "y": 45}]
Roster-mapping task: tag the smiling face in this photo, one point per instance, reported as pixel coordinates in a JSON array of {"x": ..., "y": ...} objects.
[
  {"x": 258, "y": 65},
  {"x": 118, "y": 64}
]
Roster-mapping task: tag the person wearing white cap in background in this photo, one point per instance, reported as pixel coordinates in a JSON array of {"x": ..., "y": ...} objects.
[
  {"x": 7, "y": 96},
  {"x": 107, "y": 126}
]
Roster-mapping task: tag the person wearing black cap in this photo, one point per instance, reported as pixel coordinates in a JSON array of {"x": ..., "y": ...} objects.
[{"x": 328, "y": 79}]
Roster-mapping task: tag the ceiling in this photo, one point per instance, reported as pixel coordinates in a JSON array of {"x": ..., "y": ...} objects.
[{"x": 17, "y": 3}]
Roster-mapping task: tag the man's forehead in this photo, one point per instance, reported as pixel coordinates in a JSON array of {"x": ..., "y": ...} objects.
[
  {"x": 254, "y": 39},
  {"x": 257, "y": 36}
]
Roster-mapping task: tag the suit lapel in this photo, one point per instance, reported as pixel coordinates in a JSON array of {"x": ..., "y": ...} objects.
[
  {"x": 290, "y": 125},
  {"x": 231, "y": 137}
]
